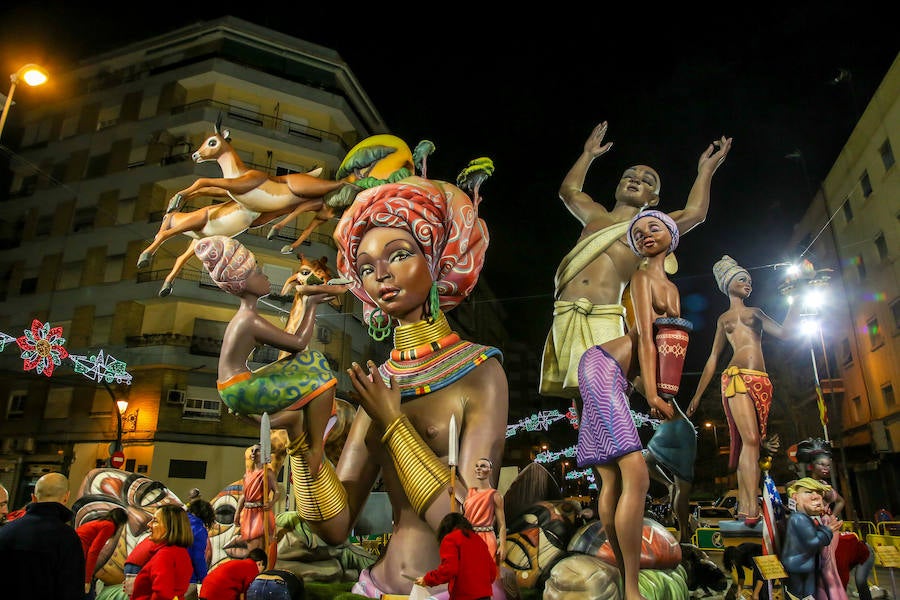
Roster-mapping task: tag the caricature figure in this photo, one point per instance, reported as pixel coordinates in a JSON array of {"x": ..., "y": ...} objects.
[{"x": 805, "y": 537}]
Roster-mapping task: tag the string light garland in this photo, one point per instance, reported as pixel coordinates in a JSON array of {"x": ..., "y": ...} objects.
[{"x": 43, "y": 349}]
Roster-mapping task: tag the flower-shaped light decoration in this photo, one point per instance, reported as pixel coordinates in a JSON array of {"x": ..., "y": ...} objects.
[{"x": 42, "y": 348}]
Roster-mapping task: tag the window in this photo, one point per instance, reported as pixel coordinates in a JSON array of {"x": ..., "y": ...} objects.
[
  {"x": 84, "y": 218},
  {"x": 846, "y": 354},
  {"x": 102, "y": 326},
  {"x": 69, "y": 276},
  {"x": 112, "y": 272},
  {"x": 848, "y": 210},
  {"x": 887, "y": 393},
  {"x": 187, "y": 469},
  {"x": 201, "y": 403},
  {"x": 875, "y": 337},
  {"x": 866, "y": 184},
  {"x": 887, "y": 155},
  {"x": 856, "y": 409},
  {"x": 15, "y": 406},
  {"x": 860, "y": 267},
  {"x": 44, "y": 225},
  {"x": 881, "y": 246},
  {"x": 59, "y": 401},
  {"x": 97, "y": 166},
  {"x": 895, "y": 312},
  {"x": 201, "y": 410},
  {"x": 102, "y": 405},
  {"x": 125, "y": 210}
]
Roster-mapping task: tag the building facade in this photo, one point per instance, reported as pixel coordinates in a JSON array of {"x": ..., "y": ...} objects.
[
  {"x": 853, "y": 227},
  {"x": 91, "y": 178}
]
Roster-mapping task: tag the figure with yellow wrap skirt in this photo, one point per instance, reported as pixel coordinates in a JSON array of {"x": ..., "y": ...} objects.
[
  {"x": 591, "y": 279},
  {"x": 301, "y": 381},
  {"x": 746, "y": 389},
  {"x": 413, "y": 248}
]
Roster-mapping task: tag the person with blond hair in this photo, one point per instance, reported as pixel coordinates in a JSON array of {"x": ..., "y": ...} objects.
[{"x": 166, "y": 570}]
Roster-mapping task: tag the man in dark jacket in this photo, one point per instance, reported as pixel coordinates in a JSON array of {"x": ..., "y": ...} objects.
[{"x": 40, "y": 553}]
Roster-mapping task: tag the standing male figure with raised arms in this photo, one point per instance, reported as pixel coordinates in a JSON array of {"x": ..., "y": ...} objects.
[{"x": 591, "y": 278}]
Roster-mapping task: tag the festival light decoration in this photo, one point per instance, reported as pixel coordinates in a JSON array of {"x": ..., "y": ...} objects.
[
  {"x": 101, "y": 367},
  {"x": 43, "y": 349}
]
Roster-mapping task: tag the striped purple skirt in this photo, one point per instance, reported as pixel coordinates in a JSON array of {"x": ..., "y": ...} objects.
[{"x": 607, "y": 430}]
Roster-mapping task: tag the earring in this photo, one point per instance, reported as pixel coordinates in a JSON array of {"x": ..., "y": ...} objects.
[
  {"x": 378, "y": 328},
  {"x": 434, "y": 302}
]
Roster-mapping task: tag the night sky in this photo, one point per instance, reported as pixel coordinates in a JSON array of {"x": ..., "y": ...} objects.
[{"x": 526, "y": 88}]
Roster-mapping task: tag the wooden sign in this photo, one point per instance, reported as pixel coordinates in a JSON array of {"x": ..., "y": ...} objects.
[{"x": 770, "y": 567}]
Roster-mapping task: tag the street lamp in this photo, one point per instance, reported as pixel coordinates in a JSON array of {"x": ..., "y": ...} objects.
[
  {"x": 31, "y": 74},
  {"x": 710, "y": 425}
]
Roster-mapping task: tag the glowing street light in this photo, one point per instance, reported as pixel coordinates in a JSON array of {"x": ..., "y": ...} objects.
[{"x": 31, "y": 74}]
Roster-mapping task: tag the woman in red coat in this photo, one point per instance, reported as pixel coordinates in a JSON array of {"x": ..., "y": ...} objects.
[
  {"x": 167, "y": 573},
  {"x": 94, "y": 535},
  {"x": 466, "y": 562}
]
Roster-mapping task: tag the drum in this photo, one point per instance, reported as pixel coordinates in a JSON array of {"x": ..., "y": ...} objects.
[{"x": 672, "y": 334}]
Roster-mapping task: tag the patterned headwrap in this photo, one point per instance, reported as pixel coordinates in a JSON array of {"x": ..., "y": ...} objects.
[
  {"x": 725, "y": 270},
  {"x": 228, "y": 261},
  {"x": 667, "y": 221},
  {"x": 439, "y": 216}
]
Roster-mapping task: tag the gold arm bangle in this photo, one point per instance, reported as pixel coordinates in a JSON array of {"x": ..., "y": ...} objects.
[
  {"x": 317, "y": 499},
  {"x": 422, "y": 475}
]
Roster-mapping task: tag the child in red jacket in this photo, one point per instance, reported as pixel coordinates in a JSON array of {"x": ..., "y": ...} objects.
[
  {"x": 94, "y": 534},
  {"x": 466, "y": 563}
]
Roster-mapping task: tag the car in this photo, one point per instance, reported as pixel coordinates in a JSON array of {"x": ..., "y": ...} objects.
[{"x": 709, "y": 516}]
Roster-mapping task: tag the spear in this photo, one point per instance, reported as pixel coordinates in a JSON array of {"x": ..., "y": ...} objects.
[
  {"x": 265, "y": 456},
  {"x": 453, "y": 457}
]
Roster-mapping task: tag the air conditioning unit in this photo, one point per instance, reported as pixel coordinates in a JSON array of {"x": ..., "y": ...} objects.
[
  {"x": 323, "y": 334},
  {"x": 175, "y": 397}
]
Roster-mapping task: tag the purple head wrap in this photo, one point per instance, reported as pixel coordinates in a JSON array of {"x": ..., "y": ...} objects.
[{"x": 666, "y": 220}]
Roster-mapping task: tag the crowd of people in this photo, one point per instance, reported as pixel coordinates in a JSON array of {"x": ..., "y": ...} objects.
[{"x": 168, "y": 564}]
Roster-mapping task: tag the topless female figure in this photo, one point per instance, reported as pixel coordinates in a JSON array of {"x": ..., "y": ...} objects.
[
  {"x": 302, "y": 380},
  {"x": 746, "y": 389},
  {"x": 607, "y": 438},
  {"x": 413, "y": 248}
]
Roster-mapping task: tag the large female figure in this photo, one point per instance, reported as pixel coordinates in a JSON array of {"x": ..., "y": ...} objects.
[
  {"x": 607, "y": 437},
  {"x": 412, "y": 248},
  {"x": 746, "y": 389}
]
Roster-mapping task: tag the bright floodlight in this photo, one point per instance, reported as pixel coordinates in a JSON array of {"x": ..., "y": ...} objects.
[
  {"x": 814, "y": 299},
  {"x": 708, "y": 424},
  {"x": 793, "y": 270},
  {"x": 809, "y": 326},
  {"x": 32, "y": 75}
]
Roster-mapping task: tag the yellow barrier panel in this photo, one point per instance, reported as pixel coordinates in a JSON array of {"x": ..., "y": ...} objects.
[
  {"x": 876, "y": 540},
  {"x": 889, "y": 528}
]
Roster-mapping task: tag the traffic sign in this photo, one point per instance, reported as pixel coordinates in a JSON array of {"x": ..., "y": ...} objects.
[{"x": 117, "y": 459}]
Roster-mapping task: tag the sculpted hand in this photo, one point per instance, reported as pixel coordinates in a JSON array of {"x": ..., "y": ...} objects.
[
  {"x": 381, "y": 402},
  {"x": 693, "y": 406},
  {"x": 714, "y": 155},
  {"x": 658, "y": 407},
  {"x": 594, "y": 144}
]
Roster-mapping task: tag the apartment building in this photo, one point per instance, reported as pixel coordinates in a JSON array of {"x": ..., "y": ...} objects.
[
  {"x": 92, "y": 173},
  {"x": 853, "y": 226}
]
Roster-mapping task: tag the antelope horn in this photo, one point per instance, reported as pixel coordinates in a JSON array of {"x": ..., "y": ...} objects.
[{"x": 219, "y": 123}]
